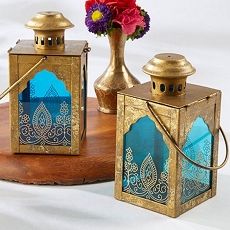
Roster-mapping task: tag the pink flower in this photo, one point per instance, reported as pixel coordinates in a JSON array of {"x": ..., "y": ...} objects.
[{"x": 129, "y": 20}]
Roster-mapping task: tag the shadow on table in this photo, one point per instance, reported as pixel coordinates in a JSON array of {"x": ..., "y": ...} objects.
[{"x": 214, "y": 212}]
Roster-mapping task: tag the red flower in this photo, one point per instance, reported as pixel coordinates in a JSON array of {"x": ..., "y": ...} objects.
[
  {"x": 129, "y": 20},
  {"x": 90, "y": 3},
  {"x": 116, "y": 6}
]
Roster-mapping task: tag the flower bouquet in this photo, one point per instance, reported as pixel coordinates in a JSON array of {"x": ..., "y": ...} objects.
[
  {"x": 105, "y": 15},
  {"x": 120, "y": 20}
]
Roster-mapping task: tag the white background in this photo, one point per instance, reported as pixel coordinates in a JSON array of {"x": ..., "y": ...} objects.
[{"x": 200, "y": 30}]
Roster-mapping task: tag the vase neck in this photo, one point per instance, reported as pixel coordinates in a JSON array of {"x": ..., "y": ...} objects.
[{"x": 117, "y": 41}]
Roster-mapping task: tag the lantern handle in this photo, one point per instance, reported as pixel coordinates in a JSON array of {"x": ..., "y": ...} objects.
[
  {"x": 212, "y": 168},
  {"x": 5, "y": 92}
]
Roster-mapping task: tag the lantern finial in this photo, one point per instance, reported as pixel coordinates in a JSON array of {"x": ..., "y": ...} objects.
[
  {"x": 168, "y": 73},
  {"x": 49, "y": 28}
]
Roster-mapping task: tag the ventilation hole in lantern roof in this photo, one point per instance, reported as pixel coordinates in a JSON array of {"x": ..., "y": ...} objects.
[
  {"x": 162, "y": 88},
  {"x": 171, "y": 88},
  {"x": 50, "y": 41},
  {"x": 58, "y": 40}
]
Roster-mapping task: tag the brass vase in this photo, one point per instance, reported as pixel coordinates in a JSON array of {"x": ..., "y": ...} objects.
[{"x": 116, "y": 77}]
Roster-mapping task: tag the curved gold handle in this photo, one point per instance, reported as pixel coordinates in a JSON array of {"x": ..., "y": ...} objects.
[
  {"x": 2, "y": 95},
  {"x": 181, "y": 152}
]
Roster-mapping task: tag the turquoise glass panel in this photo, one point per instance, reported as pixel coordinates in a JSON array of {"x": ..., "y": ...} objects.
[
  {"x": 45, "y": 111},
  {"x": 198, "y": 147},
  {"x": 145, "y": 157}
]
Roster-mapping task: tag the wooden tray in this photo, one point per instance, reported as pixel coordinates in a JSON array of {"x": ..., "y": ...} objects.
[{"x": 95, "y": 164}]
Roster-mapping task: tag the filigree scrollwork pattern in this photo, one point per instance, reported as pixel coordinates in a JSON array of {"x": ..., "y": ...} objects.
[
  {"x": 41, "y": 128},
  {"x": 196, "y": 180},
  {"x": 146, "y": 181}
]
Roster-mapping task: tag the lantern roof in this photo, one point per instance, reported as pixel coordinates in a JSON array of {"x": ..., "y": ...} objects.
[
  {"x": 194, "y": 93},
  {"x": 169, "y": 65},
  {"x": 49, "y": 20}
]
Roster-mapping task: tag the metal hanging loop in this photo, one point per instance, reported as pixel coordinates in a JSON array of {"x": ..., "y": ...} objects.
[
  {"x": 87, "y": 49},
  {"x": 167, "y": 133},
  {"x": 5, "y": 92}
]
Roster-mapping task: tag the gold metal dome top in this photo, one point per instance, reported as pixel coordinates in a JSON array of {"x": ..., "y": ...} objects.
[
  {"x": 169, "y": 65},
  {"x": 49, "y": 20},
  {"x": 49, "y": 28},
  {"x": 168, "y": 73}
]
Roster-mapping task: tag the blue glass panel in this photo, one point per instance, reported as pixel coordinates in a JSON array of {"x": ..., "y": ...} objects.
[
  {"x": 145, "y": 157},
  {"x": 198, "y": 146},
  {"x": 45, "y": 111}
]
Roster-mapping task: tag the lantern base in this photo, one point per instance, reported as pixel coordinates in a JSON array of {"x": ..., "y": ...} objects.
[{"x": 95, "y": 164}]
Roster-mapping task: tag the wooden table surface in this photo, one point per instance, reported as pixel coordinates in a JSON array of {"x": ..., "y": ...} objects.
[{"x": 95, "y": 164}]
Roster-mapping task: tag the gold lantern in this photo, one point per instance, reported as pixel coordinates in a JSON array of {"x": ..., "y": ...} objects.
[
  {"x": 48, "y": 89},
  {"x": 167, "y": 139}
]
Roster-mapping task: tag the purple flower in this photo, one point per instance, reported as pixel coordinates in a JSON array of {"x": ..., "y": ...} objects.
[
  {"x": 98, "y": 19},
  {"x": 143, "y": 31}
]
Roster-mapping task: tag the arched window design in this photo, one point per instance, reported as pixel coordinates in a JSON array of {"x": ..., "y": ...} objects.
[
  {"x": 145, "y": 162},
  {"x": 45, "y": 111},
  {"x": 198, "y": 146}
]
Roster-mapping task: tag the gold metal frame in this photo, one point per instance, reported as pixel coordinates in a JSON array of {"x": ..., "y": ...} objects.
[
  {"x": 67, "y": 68},
  {"x": 178, "y": 120}
]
